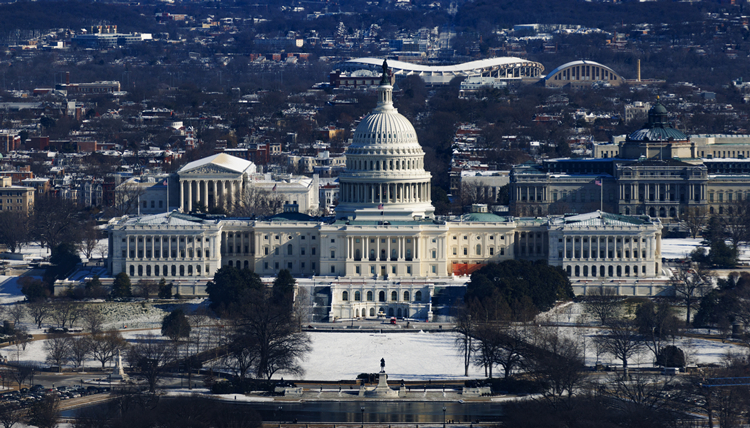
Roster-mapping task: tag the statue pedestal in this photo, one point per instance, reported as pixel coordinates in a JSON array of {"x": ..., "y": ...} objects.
[
  {"x": 118, "y": 373},
  {"x": 382, "y": 390}
]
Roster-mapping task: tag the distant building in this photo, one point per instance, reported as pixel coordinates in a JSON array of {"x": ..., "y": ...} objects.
[
  {"x": 582, "y": 74},
  {"x": 15, "y": 198}
]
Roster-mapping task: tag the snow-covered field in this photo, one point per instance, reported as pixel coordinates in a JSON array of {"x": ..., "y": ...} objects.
[
  {"x": 408, "y": 356},
  {"x": 673, "y": 248}
]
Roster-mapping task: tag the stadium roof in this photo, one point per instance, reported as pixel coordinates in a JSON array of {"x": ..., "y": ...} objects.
[{"x": 464, "y": 68}]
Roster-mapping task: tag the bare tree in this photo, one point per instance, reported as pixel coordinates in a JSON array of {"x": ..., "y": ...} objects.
[
  {"x": 557, "y": 361},
  {"x": 257, "y": 202},
  {"x": 92, "y": 319},
  {"x": 302, "y": 309},
  {"x": 695, "y": 220},
  {"x": 464, "y": 335},
  {"x": 622, "y": 342},
  {"x": 58, "y": 349},
  {"x": 80, "y": 348},
  {"x": 21, "y": 373},
  {"x": 488, "y": 345},
  {"x": 16, "y": 312},
  {"x": 90, "y": 236},
  {"x": 55, "y": 221},
  {"x": 39, "y": 311},
  {"x": 269, "y": 328},
  {"x": 150, "y": 357},
  {"x": 66, "y": 313},
  {"x": 736, "y": 222},
  {"x": 603, "y": 304},
  {"x": 10, "y": 415},
  {"x": 46, "y": 412},
  {"x": 20, "y": 339},
  {"x": 127, "y": 198},
  {"x": 690, "y": 285},
  {"x": 14, "y": 229},
  {"x": 105, "y": 345}
]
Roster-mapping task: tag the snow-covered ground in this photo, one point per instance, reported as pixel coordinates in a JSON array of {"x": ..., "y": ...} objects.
[
  {"x": 408, "y": 356},
  {"x": 679, "y": 248}
]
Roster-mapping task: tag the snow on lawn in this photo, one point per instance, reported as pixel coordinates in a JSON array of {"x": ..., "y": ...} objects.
[
  {"x": 10, "y": 290},
  {"x": 409, "y": 356},
  {"x": 679, "y": 248}
]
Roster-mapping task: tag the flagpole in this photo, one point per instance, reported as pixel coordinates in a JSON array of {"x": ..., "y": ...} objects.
[
  {"x": 601, "y": 195},
  {"x": 167, "y": 181}
]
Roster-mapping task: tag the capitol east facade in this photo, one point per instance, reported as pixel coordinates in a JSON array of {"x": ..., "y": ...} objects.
[{"x": 385, "y": 249}]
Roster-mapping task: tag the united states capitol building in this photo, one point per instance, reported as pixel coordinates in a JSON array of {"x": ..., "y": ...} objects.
[{"x": 385, "y": 252}]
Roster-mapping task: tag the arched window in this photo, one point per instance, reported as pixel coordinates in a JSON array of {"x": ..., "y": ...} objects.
[
  {"x": 662, "y": 212},
  {"x": 399, "y": 313},
  {"x": 148, "y": 270},
  {"x": 672, "y": 212},
  {"x": 165, "y": 270},
  {"x": 418, "y": 296},
  {"x": 289, "y": 250},
  {"x": 174, "y": 270},
  {"x": 372, "y": 312},
  {"x": 408, "y": 254},
  {"x": 372, "y": 254},
  {"x": 357, "y": 296},
  {"x": 394, "y": 254},
  {"x": 394, "y": 296},
  {"x": 390, "y": 312},
  {"x": 578, "y": 271},
  {"x": 182, "y": 270},
  {"x": 190, "y": 270},
  {"x": 132, "y": 270},
  {"x": 345, "y": 296},
  {"x": 357, "y": 255},
  {"x": 406, "y": 296},
  {"x": 140, "y": 270},
  {"x": 369, "y": 296},
  {"x": 381, "y": 296},
  {"x": 356, "y": 313},
  {"x": 652, "y": 212}
]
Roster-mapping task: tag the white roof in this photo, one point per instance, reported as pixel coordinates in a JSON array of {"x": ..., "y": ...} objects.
[
  {"x": 579, "y": 62},
  {"x": 470, "y": 67},
  {"x": 223, "y": 160}
]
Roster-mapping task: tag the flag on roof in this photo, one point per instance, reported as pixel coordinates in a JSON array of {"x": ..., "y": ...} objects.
[
  {"x": 165, "y": 183},
  {"x": 380, "y": 207},
  {"x": 598, "y": 182},
  {"x": 274, "y": 188}
]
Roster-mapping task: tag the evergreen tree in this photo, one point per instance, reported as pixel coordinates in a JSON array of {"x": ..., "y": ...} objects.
[
  {"x": 230, "y": 287},
  {"x": 165, "y": 290},
  {"x": 121, "y": 286},
  {"x": 175, "y": 325},
  {"x": 283, "y": 287}
]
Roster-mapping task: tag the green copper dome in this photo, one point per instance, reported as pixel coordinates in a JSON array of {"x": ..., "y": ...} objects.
[{"x": 657, "y": 128}]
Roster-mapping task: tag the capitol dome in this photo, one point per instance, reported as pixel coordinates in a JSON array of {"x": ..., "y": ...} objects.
[{"x": 385, "y": 175}]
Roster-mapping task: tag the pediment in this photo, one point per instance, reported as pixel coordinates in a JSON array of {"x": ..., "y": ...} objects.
[{"x": 209, "y": 169}]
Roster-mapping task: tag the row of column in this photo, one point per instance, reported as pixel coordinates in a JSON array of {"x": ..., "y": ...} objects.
[
  {"x": 602, "y": 244},
  {"x": 226, "y": 193},
  {"x": 165, "y": 246},
  {"x": 695, "y": 192},
  {"x": 385, "y": 193},
  {"x": 400, "y": 246},
  {"x": 531, "y": 193}
]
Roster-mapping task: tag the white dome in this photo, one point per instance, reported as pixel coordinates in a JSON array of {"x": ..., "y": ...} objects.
[{"x": 387, "y": 130}]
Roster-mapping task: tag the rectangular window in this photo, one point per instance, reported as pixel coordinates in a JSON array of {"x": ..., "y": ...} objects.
[
  {"x": 265, "y": 251},
  {"x": 434, "y": 269},
  {"x": 357, "y": 270},
  {"x": 302, "y": 251},
  {"x": 265, "y": 265},
  {"x": 313, "y": 250},
  {"x": 492, "y": 251},
  {"x": 408, "y": 270},
  {"x": 276, "y": 265},
  {"x": 372, "y": 269},
  {"x": 289, "y": 265},
  {"x": 333, "y": 254},
  {"x": 434, "y": 254}
]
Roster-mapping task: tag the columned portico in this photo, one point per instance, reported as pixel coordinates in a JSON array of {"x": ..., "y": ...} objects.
[{"x": 214, "y": 182}]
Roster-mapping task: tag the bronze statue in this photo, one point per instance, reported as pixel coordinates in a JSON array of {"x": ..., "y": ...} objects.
[{"x": 382, "y": 364}]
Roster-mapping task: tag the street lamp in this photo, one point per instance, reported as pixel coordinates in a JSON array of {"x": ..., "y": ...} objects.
[
  {"x": 444, "y": 416},
  {"x": 362, "y": 409}
]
